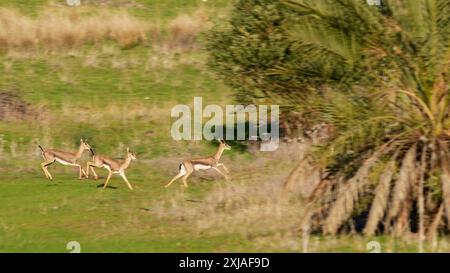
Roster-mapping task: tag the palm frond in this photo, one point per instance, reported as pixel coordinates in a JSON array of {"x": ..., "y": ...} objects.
[
  {"x": 328, "y": 40},
  {"x": 348, "y": 195},
  {"x": 403, "y": 183},
  {"x": 380, "y": 200}
]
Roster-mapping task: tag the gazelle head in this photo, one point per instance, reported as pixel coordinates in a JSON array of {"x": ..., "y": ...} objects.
[
  {"x": 85, "y": 146},
  {"x": 224, "y": 145},
  {"x": 130, "y": 154}
]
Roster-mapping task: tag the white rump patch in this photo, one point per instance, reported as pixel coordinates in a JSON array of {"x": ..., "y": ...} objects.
[{"x": 182, "y": 170}]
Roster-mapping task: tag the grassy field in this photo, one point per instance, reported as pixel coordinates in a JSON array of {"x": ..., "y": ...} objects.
[
  {"x": 39, "y": 216},
  {"x": 120, "y": 97},
  {"x": 42, "y": 216},
  {"x": 115, "y": 98}
]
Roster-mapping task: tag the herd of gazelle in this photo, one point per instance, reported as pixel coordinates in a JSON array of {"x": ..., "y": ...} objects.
[{"x": 186, "y": 167}]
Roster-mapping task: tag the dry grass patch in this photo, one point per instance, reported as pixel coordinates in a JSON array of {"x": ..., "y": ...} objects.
[
  {"x": 64, "y": 28},
  {"x": 183, "y": 31},
  {"x": 251, "y": 208},
  {"x": 249, "y": 205}
]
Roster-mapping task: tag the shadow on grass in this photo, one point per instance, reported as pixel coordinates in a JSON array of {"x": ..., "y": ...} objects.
[{"x": 108, "y": 187}]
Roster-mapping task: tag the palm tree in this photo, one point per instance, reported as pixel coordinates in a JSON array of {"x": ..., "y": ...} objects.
[{"x": 382, "y": 76}]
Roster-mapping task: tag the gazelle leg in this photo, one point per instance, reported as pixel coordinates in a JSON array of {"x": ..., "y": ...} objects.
[
  {"x": 126, "y": 180},
  {"x": 44, "y": 166},
  {"x": 224, "y": 167},
  {"x": 184, "y": 179},
  {"x": 87, "y": 170},
  {"x": 173, "y": 179},
  {"x": 219, "y": 171},
  {"x": 107, "y": 179},
  {"x": 93, "y": 171},
  {"x": 183, "y": 171},
  {"x": 89, "y": 165},
  {"x": 81, "y": 171},
  {"x": 48, "y": 172}
]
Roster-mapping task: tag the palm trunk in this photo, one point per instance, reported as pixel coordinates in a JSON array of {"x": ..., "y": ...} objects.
[
  {"x": 305, "y": 235},
  {"x": 402, "y": 225},
  {"x": 432, "y": 230},
  {"x": 420, "y": 199},
  {"x": 293, "y": 176}
]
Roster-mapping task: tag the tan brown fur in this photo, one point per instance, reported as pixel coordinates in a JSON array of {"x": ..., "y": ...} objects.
[
  {"x": 113, "y": 166},
  {"x": 65, "y": 158},
  {"x": 188, "y": 166}
]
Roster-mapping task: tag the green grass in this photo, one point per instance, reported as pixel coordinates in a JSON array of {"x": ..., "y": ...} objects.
[
  {"x": 62, "y": 86},
  {"x": 115, "y": 98},
  {"x": 148, "y": 9},
  {"x": 28, "y": 6},
  {"x": 55, "y": 80},
  {"x": 42, "y": 216},
  {"x": 170, "y": 9},
  {"x": 38, "y": 215}
]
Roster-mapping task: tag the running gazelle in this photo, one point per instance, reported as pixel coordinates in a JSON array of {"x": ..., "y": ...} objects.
[
  {"x": 188, "y": 166},
  {"x": 113, "y": 166},
  {"x": 65, "y": 158}
]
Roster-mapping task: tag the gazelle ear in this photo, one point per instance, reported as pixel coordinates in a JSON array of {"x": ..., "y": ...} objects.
[{"x": 128, "y": 149}]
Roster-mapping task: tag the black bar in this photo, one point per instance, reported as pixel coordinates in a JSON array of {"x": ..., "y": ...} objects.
[{"x": 223, "y": 262}]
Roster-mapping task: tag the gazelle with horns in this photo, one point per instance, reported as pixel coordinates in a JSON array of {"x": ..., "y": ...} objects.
[
  {"x": 65, "y": 158},
  {"x": 113, "y": 166},
  {"x": 188, "y": 166}
]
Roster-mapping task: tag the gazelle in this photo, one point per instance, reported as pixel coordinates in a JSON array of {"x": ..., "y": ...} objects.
[
  {"x": 113, "y": 166},
  {"x": 188, "y": 166},
  {"x": 65, "y": 158}
]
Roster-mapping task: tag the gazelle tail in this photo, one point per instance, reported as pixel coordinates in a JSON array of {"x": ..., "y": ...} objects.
[{"x": 43, "y": 151}]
